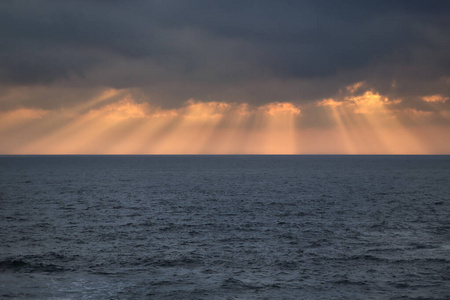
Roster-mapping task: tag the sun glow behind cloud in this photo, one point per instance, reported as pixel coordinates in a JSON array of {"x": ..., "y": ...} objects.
[{"x": 115, "y": 123}]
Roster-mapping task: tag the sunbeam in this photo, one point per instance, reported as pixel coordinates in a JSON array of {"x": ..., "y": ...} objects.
[{"x": 113, "y": 122}]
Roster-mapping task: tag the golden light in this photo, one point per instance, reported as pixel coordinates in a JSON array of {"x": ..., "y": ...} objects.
[
  {"x": 113, "y": 122},
  {"x": 435, "y": 98},
  {"x": 368, "y": 125}
]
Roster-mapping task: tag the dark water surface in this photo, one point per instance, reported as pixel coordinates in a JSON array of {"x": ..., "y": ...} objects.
[{"x": 225, "y": 227}]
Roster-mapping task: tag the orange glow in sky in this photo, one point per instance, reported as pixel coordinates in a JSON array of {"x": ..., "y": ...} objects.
[{"x": 115, "y": 123}]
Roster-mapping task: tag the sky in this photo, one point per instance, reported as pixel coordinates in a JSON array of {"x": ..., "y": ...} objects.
[{"x": 225, "y": 77}]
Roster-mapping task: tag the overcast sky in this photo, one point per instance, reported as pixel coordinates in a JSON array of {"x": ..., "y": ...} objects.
[
  {"x": 250, "y": 51},
  {"x": 58, "y": 58}
]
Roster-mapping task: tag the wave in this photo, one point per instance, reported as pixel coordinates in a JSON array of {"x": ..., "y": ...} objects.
[
  {"x": 236, "y": 284},
  {"x": 233, "y": 283},
  {"x": 19, "y": 265},
  {"x": 349, "y": 282}
]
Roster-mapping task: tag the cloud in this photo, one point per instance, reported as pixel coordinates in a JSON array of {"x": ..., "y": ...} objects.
[
  {"x": 435, "y": 98},
  {"x": 256, "y": 52}
]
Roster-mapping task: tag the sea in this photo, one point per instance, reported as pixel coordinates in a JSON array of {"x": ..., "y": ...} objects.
[{"x": 225, "y": 227}]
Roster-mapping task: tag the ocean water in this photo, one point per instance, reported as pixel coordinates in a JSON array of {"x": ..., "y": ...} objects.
[{"x": 225, "y": 227}]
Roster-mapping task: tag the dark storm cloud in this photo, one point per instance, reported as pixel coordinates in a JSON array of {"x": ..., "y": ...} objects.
[{"x": 255, "y": 51}]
